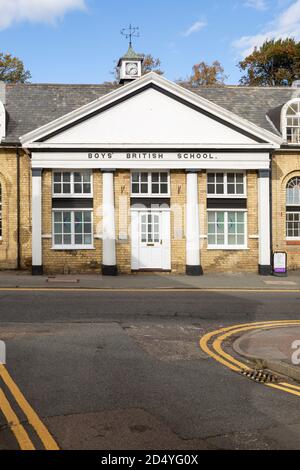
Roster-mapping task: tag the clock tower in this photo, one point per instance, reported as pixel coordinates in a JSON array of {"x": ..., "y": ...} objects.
[{"x": 130, "y": 66}]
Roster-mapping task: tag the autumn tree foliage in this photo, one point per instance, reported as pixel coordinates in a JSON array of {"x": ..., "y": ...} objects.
[
  {"x": 207, "y": 75},
  {"x": 275, "y": 63}
]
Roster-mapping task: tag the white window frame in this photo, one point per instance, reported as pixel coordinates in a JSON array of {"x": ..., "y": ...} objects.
[
  {"x": 289, "y": 237},
  {"x": 150, "y": 194},
  {"x": 72, "y": 194},
  {"x": 226, "y": 246},
  {"x": 226, "y": 195},
  {"x": 73, "y": 246},
  {"x": 284, "y": 117}
]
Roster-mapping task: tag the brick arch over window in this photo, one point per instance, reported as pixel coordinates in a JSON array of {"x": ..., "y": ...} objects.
[{"x": 293, "y": 208}]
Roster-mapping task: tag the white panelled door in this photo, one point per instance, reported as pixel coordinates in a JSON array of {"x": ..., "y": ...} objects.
[{"x": 151, "y": 239}]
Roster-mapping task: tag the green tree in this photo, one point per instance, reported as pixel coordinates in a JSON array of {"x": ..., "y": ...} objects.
[
  {"x": 275, "y": 63},
  {"x": 12, "y": 69},
  {"x": 207, "y": 75}
]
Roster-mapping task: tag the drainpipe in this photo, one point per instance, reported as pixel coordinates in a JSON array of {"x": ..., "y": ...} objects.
[{"x": 18, "y": 211}]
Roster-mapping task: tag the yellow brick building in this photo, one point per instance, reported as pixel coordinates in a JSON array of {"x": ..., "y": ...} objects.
[{"x": 148, "y": 175}]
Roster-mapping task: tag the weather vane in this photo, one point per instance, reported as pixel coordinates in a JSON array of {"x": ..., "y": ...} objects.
[{"x": 131, "y": 32}]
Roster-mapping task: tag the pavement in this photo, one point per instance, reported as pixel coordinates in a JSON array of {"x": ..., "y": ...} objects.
[
  {"x": 277, "y": 349},
  {"x": 235, "y": 281}
]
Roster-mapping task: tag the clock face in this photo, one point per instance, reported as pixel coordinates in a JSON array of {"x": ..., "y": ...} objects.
[{"x": 132, "y": 69}]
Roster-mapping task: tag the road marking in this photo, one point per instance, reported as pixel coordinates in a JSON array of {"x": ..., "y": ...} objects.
[
  {"x": 33, "y": 419},
  {"x": 14, "y": 424},
  {"x": 156, "y": 290},
  {"x": 219, "y": 336}
]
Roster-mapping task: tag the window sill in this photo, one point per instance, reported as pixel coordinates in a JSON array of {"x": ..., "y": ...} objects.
[
  {"x": 226, "y": 196},
  {"x": 228, "y": 248},
  {"x": 71, "y": 196},
  {"x": 72, "y": 248},
  {"x": 152, "y": 196}
]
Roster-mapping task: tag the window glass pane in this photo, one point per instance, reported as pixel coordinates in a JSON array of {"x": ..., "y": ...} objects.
[
  {"x": 66, "y": 188},
  {"x": 211, "y": 177},
  {"x": 78, "y": 239},
  {"x": 164, "y": 188},
  {"x": 220, "y": 177},
  {"x": 58, "y": 240},
  {"x": 135, "y": 177},
  {"x": 57, "y": 188},
  {"x": 144, "y": 177},
  {"x": 239, "y": 189},
  {"x": 231, "y": 240},
  {"x": 57, "y": 177},
  {"x": 88, "y": 239},
  {"x": 155, "y": 177},
  {"x": 164, "y": 177},
  {"x": 211, "y": 188},
  {"x": 67, "y": 239},
  {"x": 230, "y": 189},
  {"x": 230, "y": 178},
  {"x": 67, "y": 216},
  {"x": 77, "y": 177},
  {"x": 87, "y": 188},
  {"x": 87, "y": 216},
  {"x": 77, "y": 188},
  {"x": 135, "y": 188},
  {"x": 66, "y": 177},
  {"x": 78, "y": 216},
  {"x": 57, "y": 216},
  {"x": 155, "y": 188},
  {"x": 220, "y": 189},
  {"x": 144, "y": 188}
]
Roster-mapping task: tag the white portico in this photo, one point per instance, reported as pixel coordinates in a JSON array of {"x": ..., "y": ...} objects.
[{"x": 152, "y": 128}]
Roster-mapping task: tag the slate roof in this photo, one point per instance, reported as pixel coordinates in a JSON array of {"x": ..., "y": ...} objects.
[{"x": 30, "y": 106}]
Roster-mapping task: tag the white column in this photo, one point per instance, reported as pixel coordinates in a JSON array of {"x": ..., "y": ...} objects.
[
  {"x": 264, "y": 228},
  {"x": 37, "y": 263},
  {"x": 192, "y": 229},
  {"x": 109, "y": 259}
]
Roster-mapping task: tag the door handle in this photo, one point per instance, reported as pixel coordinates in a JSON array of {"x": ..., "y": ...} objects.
[{"x": 150, "y": 244}]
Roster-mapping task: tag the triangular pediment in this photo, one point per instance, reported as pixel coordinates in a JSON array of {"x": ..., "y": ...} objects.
[{"x": 151, "y": 111}]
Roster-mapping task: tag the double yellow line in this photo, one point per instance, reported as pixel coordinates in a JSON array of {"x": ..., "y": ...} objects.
[
  {"x": 21, "y": 435},
  {"x": 212, "y": 343}
]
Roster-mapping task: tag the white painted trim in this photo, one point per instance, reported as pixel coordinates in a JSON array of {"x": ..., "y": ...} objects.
[
  {"x": 37, "y": 220},
  {"x": 226, "y": 195},
  {"x": 150, "y": 194},
  {"x": 173, "y": 88},
  {"x": 72, "y": 194},
  {"x": 72, "y": 246},
  {"x": 283, "y": 122},
  {"x": 264, "y": 228},
  {"x": 192, "y": 222},
  {"x": 221, "y": 161},
  {"x": 162, "y": 145},
  {"x": 109, "y": 257},
  {"x": 230, "y": 247}
]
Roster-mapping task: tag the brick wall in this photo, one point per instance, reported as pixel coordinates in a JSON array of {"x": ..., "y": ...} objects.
[
  {"x": 8, "y": 180},
  {"x": 284, "y": 167}
]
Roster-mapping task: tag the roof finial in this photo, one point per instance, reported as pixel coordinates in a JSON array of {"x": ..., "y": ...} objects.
[{"x": 131, "y": 32}]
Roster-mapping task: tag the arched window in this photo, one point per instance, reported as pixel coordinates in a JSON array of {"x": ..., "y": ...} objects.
[
  {"x": 291, "y": 122},
  {"x": 293, "y": 208}
]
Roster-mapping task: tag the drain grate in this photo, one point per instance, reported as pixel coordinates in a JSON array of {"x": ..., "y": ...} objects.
[{"x": 260, "y": 375}]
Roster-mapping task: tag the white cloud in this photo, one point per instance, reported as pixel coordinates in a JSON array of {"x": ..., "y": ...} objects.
[
  {"x": 257, "y": 4},
  {"x": 195, "y": 28},
  {"x": 287, "y": 24},
  {"x": 38, "y": 11}
]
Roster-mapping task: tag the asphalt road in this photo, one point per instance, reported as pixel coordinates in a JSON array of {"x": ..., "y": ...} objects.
[{"x": 117, "y": 370}]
